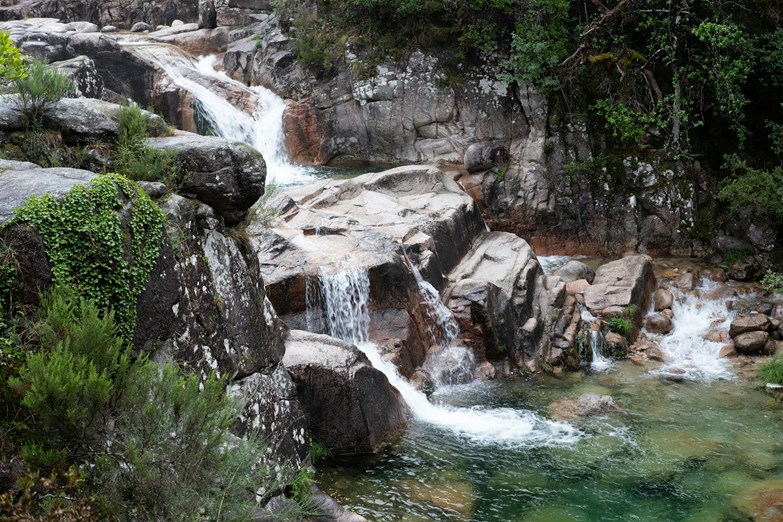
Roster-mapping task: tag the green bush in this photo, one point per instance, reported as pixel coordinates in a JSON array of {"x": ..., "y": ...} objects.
[
  {"x": 135, "y": 160},
  {"x": 154, "y": 443},
  {"x": 761, "y": 191},
  {"x": 773, "y": 282},
  {"x": 772, "y": 371},
  {"x": 39, "y": 88},
  {"x": 11, "y": 65}
]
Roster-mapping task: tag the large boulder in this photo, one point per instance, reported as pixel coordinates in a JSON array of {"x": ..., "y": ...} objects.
[
  {"x": 228, "y": 176},
  {"x": 19, "y": 181},
  {"x": 86, "y": 120},
  {"x": 662, "y": 299},
  {"x": 81, "y": 70},
  {"x": 627, "y": 281},
  {"x": 751, "y": 342},
  {"x": 498, "y": 296},
  {"x": 350, "y": 406}
]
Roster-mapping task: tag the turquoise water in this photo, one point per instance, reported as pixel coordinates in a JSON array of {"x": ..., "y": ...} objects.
[{"x": 678, "y": 451}]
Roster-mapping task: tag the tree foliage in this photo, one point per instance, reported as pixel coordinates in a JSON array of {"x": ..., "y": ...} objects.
[{"x": 11, "y": 65}]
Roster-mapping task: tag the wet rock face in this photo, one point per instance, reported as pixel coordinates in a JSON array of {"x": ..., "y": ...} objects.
[
  {"x": 350, "y": 406},
  {"x": 383, "y": 222},
  {"x": 404, "y": 112}
]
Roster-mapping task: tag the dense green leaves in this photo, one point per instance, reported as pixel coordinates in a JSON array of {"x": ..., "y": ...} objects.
[
  {"x": 91, "y": 249},
  {"x": 11, "y": 66},
  {"x": 153, "y": 443}
]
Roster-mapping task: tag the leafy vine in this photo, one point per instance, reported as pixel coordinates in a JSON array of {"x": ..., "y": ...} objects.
[{"x": 103, "y": 240}]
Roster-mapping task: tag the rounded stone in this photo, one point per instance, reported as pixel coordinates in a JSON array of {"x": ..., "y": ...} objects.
[
  {"x": 662, "y": 299},
  {"x": 751, "y": 342},
  {"x": 658, "y": 324}
]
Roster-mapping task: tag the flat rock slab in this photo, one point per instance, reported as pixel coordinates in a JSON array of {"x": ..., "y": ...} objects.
[{"x": 16, "y": 186}]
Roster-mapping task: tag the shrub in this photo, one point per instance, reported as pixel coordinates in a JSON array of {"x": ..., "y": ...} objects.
[
  {"x": 39, "y": 88},
  {"x": 773, "y": 282},
  {"x": 758, "y": 190},
  {"x": 772, "y": 371},
  {"x": 134, "y": 159},
  {"x": 154, "y": 443}
]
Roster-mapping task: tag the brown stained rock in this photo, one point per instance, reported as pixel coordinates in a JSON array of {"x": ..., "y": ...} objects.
[
  {"x": 749, "y": 323},
  {"x": 662, "y": 299},
  {"x": 728, "y": 351},
  {"x": 655, "y": 354},
  {"x": 577, "y": 287},
  {"x": 303, "y": 134},
  {"x": 582, "y": 407},
  {"x": 751, "y": 342},
  {"x": 761, "y": 502},
  {"x": 658, "y": 324},
  {"x": 668, "y": 313}
]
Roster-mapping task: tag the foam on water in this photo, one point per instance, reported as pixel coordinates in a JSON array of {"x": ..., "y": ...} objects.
[
  {"x": 346, "y": 297},
  {"x": 686, "y": 351}
]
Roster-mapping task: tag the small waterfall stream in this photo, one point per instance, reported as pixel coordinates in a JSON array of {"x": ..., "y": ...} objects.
[
  {"x": 346, "y": 296},
  {"x": 688, "y": 354},
  {"x": 261, "y": 127}
]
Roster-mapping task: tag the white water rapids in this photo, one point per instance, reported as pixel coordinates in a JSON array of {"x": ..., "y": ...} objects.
[
  {"x": 686, "y": 350},
  {"x": 346, "y": 298},
  {"x": 262, "y": 129}
]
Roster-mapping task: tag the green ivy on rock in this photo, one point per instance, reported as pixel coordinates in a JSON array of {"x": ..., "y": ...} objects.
[{"x": 103, "y": 240}]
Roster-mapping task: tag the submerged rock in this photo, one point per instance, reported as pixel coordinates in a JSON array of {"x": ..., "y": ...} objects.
[
  {"x": 582, "y": 407},
  {"x": 761, "y": 502},
  {"x": 350, "y": 406}
]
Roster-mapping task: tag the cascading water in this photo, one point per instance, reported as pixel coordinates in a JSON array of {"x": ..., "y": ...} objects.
[
  {"x": 447, "y": 361},
  {"x": 688, "y": 354},
  {"x": 346, "y": 296},
  {"x": 591, "y": 335},
  {"x": 262, "y": 130}
]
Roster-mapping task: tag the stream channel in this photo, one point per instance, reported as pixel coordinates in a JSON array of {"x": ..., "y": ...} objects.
[{"x": 705, "y": 446}]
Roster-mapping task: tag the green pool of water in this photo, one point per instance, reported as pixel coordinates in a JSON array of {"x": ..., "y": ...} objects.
[{"x": 678, "y": 451}]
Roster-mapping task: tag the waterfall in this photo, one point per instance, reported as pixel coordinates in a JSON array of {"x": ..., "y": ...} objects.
[
  {"x": 346, "y": 296},
  {"x": 591, "y": 335},
  {"x": 262, "y": 129},
  {"x": 685, "y": 349},
  {"x": 600, "y": 362},
  {"x": 447, "y": 361}
]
